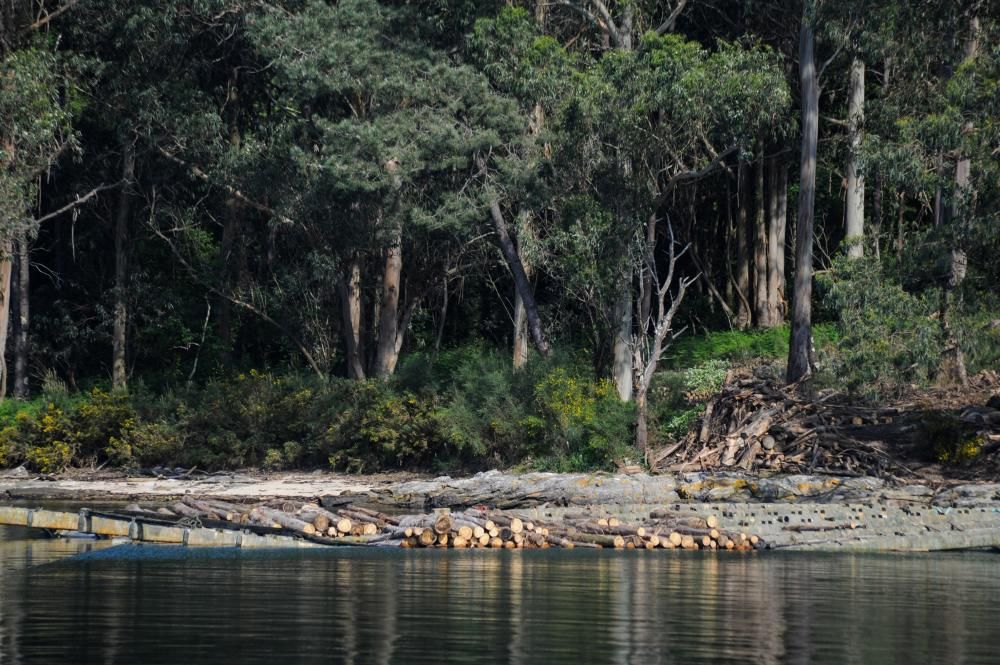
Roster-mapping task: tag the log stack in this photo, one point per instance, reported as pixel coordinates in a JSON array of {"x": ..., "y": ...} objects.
[{"x": 472, "y": 528}]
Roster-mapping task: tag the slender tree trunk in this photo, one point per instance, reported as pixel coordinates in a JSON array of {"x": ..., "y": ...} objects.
[
  {"x": 118, "y": 368},
  {"x": 900, "y": 218},
  {"x": 520, "y": 329},
  {"x": 775, "y": 245},
  {"x": 647, "y": 274},
  {"x": 21, "y": 341},
  {"x": 876, "y": 231},
  {"x": 730, "y": 294},
  {"x": 387, "y": 350},
  {"x": 535, "y": 124},
  {"x": 760, "y": 251},
  {"x": 520, "y": 276},
  {"x": 621, "y": 369},
  {"x": 224, "y": 319},
  {"x": 800, "y": 344},
  {"x": 6, "y": 266},
  {"x": 742, "y": 248},
  {"x": 385, "y": 354},
  {"x": 782, "y": 224},
  {"x": 229, "y": 230},
  {"x": 953, "y": 361},
  {"x": 854, "y": 239},
  {"x": 443, "y": 317},
  {"x": 350, "y": 305}
]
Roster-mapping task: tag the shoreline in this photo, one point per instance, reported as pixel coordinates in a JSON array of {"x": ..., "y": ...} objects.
[
  {"x": 504, "y": 490},
  {"x": 788, "y": 512}
]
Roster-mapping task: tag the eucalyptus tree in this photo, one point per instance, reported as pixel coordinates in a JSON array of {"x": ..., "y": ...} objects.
[
  {"x": 673, "y": 112},
  {"x": 40, "y": 94},
  {"x": 934, "y": 143},
  {"x": 386, "y": 141}
]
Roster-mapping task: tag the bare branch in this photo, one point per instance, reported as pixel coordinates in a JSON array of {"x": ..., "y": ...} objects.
[
  {"x": 198, "y": 173},
  {"x": 688, "y": 176},
  {"x": 604, "y": 22},
  {"x": 671, "y": 21},
  {"x": 78, "y": 201},
  {"x": 50, "y": 16}
]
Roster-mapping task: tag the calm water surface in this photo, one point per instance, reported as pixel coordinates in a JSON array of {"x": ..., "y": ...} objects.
[{"x": 72, "y": 602}]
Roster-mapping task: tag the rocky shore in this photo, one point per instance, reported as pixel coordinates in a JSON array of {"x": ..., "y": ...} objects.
[{"x": 789, "y": 511}]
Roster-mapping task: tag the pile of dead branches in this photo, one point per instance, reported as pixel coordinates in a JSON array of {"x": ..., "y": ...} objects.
[{"x": 756, "y": 423}]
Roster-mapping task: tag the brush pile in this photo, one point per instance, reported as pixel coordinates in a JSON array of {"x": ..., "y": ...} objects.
[
  {"x": 756, "y": 423},
  {"x": 472, "y": 528}
]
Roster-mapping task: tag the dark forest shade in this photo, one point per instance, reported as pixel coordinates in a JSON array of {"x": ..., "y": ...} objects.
[{"x": 193, "y": 189}]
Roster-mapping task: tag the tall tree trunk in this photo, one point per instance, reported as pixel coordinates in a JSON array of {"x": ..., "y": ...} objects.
[
  {"x": 760, "y": 251},
  {"x": 877, "y": 214},
  {"x": 21, "y": 339},
  {"x": 645, "y": 306},
  {"x": 730, "y": 294},
  {"x": 535, "y": 125},
  {"x": 118, "y": 368},
  {"x": 520, "y": 276},
  {"x": 349, "y": 287},
  {"x": 743, "y": 247},
  {"x": 953, "y": 361},
  {"x": 520, "y": 330},
  {"x": 225, "y": 309},
  {"x": 800, "y": 344},
  {"x": 621, "y": 369},
  {"x": 782, "y": 224},
  {"x": 6, "y": 266},
  {"x": 855, "y": 232},
  {"x": 775, "y": 244},
  {"x": 387, "y": 350},
  {"x": 385, "y": 353},
  {"x": 229, "y": 230}
]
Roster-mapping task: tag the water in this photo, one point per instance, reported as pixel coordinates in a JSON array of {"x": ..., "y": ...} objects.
[{"x": 91, "y": 603}]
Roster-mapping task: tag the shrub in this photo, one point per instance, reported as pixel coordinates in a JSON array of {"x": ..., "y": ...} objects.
[
  {"x": 144, "y": 443},
  {"x": 889, "y": 336},
  {"x": 706, "y": 379},
  {"x": 45, "y": 441},
  {"x": 380, "y": 429}
]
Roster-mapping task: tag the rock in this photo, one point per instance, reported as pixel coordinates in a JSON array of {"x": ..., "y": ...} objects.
[
  {"x": 768, "y": 442},
  {"x": 19, "y": 472}
]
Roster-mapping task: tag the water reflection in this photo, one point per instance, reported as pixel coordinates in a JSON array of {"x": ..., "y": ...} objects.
[{"x": 138, "y": 605}]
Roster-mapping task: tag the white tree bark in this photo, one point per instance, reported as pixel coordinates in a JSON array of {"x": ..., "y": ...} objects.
[{"x": 855, "y": 213}]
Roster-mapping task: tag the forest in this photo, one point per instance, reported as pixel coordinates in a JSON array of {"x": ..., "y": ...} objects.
[{"x": 459, "y": 234}]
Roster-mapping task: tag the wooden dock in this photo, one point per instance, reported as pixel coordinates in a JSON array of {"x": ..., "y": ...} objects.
[{"x": 146, "y": 530}]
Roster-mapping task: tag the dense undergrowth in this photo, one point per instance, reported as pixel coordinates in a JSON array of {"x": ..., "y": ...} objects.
[
  {"x": 465, "y": 408},
  {"x": 462, "y": 409}
]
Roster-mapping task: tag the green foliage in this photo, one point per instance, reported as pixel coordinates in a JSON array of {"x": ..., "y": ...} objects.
[
  {"x": 741, "y": 346},
  {"x": 703, "y": 381},
  {"x": 471, "y": 411},
  {"x": 890, "y": 339}
]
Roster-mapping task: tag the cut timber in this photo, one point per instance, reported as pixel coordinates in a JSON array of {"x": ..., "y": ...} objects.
[
  {"x": 443, "y": 525},
  {"x": 287, "y": 521},
  {"x": 321, "y": 518},
  {"x": 603, "y": 540},
  {"x": 344, "y": 525}
]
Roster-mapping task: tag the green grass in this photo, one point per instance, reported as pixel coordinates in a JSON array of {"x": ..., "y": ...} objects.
[{"x": 738, "y": 345}]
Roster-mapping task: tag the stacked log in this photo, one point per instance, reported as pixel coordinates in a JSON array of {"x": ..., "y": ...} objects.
[{"x": 469, "y": 529}]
